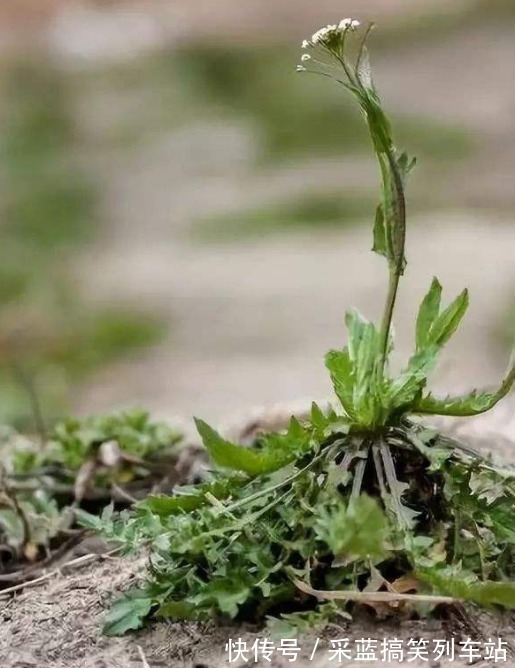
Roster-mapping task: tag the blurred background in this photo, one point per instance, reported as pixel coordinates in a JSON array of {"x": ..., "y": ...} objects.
[{"x": 185, "y": 220}]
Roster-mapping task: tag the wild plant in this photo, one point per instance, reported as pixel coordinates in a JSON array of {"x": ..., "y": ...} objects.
[{"x": 361, "y": 504}]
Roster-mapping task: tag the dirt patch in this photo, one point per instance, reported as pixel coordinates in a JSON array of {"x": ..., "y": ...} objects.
[{"x": 59, "y": 626}]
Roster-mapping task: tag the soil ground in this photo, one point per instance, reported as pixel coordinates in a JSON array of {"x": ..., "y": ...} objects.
[{"x": 58, "y": 626}]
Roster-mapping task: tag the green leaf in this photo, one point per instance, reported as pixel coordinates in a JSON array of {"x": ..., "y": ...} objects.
[
  {"x": 502, "y": 521},
  {"x": 473, "y": 403},
  {"x": 94, "y": 522},
  {"x": 448, "y": 321},
  {"x": 406, "y": 165},
  {"x": 341, "y": 369},
  {"x": 278, "y": 450},
  {"x": 318, "y": 420},
  {"x": 380, "y": 233},
  {"x": 465, "y": 586},
  {"x": 404, "y": 389},
  {"x": 227, "y": 594},
  {"x": 428, "y": 312},
  {"x": 177, "y": 610},
  {"x": 229, "y": 455},
  {"x": 356, "y": 531},
  {"x": 188, "y": 498},
  {"x": 127, "y": 613}
]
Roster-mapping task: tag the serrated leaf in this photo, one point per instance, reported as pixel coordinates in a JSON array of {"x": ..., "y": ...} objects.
[
  {"x": 406, "y": 165},
  {"x": 364, "y": 351},
  {"x": 127, "y": 613},
  {"x": 94, "y": 522},
  {"x": 428, "y": 312},
  {"x": 228, "y": 455},
  {"x": 502, "y": 521},
  {"x": 409, "y": 384},
  {"x": 318, "y": 420},
  {"x": 485, "y": 487},
  {"x": 470, "y": 404},
  {"x": 467, "y": 587},
  {"x": 341, "y": 369}
]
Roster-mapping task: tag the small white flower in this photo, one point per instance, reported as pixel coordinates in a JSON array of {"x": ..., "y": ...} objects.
[
  {"x": 345, "y": 24},
  {"x": 301, "y": 68},
  {"x": 305, "y": 56},
  {"x": 305, "y": 44},
  {"x": 321, "y": 34},
  {"x": 355, "y": 24}
]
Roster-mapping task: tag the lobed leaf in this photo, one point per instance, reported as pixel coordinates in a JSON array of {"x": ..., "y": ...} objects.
[
  {"x": 353, "y": 532},
  {"x": 127, "y": 613},
  {"x": 470, "y": 404}
]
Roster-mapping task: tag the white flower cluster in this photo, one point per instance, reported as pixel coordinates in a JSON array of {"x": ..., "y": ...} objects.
[
  {"x": 330, "y": 31},
  {"x": 326, "y": 35}
]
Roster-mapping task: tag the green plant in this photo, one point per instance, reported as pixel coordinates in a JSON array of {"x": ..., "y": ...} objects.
[
  {"x": 359, "y": 505},
  {"x": 92, "y": 460}
]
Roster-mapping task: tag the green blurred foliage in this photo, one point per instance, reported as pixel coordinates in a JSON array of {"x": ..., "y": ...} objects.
[
  {"x": 48, "y": 212},
  {"x": 309, "y": 211}
]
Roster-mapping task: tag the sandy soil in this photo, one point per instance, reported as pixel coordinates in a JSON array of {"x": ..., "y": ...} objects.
[{"x": 58, "y": 626}]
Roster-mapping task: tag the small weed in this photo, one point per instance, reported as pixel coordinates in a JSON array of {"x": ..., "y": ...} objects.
[
  {"x": 87, "y": 462},
  {"x": 359, "y": 505}
]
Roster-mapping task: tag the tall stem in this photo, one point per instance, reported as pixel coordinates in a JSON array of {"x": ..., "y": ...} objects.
[
  {"x": 396, "y": 263},
  {"x": 386, "y": 322}
]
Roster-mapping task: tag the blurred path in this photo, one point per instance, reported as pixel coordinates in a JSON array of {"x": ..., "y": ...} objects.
[{"x": 251, "y": 323}]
